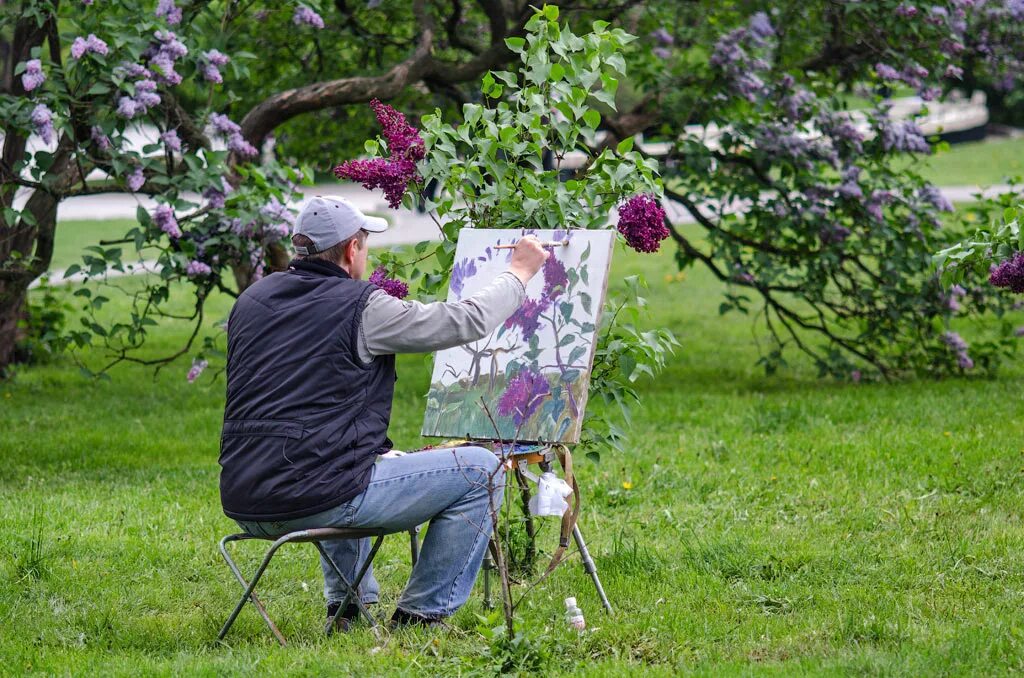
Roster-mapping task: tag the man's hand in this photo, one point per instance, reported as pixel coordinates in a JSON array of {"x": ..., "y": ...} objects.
[{"x": 527, "y": 258}]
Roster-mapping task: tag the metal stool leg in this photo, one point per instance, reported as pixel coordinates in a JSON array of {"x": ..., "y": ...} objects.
[
  {"x": 414, "y": 544},
  {"x": 590, "y": 567},
  {"x": 353, "y": 588},
  {"x": 249, "y": 586}
]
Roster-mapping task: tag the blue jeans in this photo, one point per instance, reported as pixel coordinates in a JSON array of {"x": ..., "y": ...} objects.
[{"x": 455, "y": 489}]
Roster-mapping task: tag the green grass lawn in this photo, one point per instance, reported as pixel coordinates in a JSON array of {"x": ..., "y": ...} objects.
[
  {"x": 786, "y": 525},
  {"x": 981, "y": 163}
]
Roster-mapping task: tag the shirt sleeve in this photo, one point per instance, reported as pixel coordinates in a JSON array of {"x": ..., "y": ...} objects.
[{"x": 390, "y": 325}]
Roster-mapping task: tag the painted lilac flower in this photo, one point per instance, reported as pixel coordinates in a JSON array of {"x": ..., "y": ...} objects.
[
  {"x": 197, "y": 269},
  {"x": 392, "y": 286},
  {"x": 523, "y": 395},
  {"x": 101, "y": 140},
  {"x": 393, "y": 176},
  {"x": 163, "y": 216},
  {"x": 305, "y": 15},
  {"x": 886, "y": 72},
  {"x": 556, "y": 280},
  {"x": 33, "y": 76},
  {"x": 171, "y": 140},
  {"x": 136, "y": 179},
  {"x": 403, "y": 139},
  {"x": 527, "y": 317},
  {"x": 197, "y": 368},
  {"x": 957, "y": 344},
  {"x": 1009, "y": 274},
  {"x": 88, "y": 45},
  {"x": 462, "y": 270},
  {"x": 166, "y": 9},
  {"x": 642, "y": 222},
  {"x": 42, "y": 122},
  {"x": 933, "y": 196}
]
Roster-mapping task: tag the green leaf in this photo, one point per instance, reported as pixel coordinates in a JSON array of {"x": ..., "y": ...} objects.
[
  {"x": 557, "y": 72},
  {"x": 592, "y": 118},
  {"x": 625, "y": 146},
  {"x": 550, "y": 12},
  {"x": 515, "y": 44}
]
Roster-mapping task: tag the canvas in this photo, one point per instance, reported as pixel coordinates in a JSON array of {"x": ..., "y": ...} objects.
[{"x": 527, "y": 380}]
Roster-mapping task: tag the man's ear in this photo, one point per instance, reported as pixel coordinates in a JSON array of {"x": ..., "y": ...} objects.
[{"x": 351, "y": 249}]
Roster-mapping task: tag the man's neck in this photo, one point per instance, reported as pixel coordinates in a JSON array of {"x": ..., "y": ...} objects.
[{"x": 321, "y": 266}]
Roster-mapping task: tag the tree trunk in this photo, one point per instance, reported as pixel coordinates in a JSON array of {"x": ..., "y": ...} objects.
[{"x": 12, "y": 310}]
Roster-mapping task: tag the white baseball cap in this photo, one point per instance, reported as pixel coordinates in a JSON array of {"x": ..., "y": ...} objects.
[{"x": 328, "y": 221}]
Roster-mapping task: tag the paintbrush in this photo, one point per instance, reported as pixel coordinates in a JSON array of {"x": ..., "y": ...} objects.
[{"x": 543, "y": 243}]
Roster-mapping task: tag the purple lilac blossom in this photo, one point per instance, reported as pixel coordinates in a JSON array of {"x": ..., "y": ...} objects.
[
  {"x": 642, "y": 222},
  {"x": 727, "y": 50},
  {"x": 392, "y": 286},
  {"x": 42, "y": 122},
  {"x": 197, "y": 269},
  {"x": 403, "y": 139},
  {"x": 663, "y": 37},
  {"x": 1009, "y": 273},
  {"x": 761, "y": 27},
  {"x": 197, "y": 368},
  {"x": 305, "y": 15},
  {"x": 33, "y": 76},
  {"x": 145, "y": 95},
  {"x": 906, "y": 11},
  {"x": 166, "y": 9},
  {"x": 101, "y": 140},
  {"x": 663, "y": 53},
  {"x": 277, "y": 211},
  {"x": 223, "y": 126},
  {"x": 171, "y": 140},
  {"x": 162, "y": 58},
  {"x": 953, "y": 71},
  {"x": 833, "y": 234},
  {"x": 904, "y": 135},
  {"x": 932, "y": 195},
  {"x": 930, "y": 93},
  {"x": 212, "y": 61},
  {"x": 957, "y": 344},
  {"x": 875, "y": 203},
  {"x": 460, "y": 272},
  {"x": 523, "y": 395},
  {"x": 956, "y": 293},
  {"x": 136, "y": 179},
  {"x": 393, "y": 176},
  {"x": 556, "y": 281},
  {"x": 855, "y": 375},
  {"x": 1019, "y": 332},
  {"x": 214, "y": 198},
  {"x": 850, "y": 188},
  {"x": 89, "y": 45},
  {"x": 794, "y": 104},
  {"x": 163, "y": 217},
  {"x": 886, "y": 72},
  {"x": 127, "y": 107}
]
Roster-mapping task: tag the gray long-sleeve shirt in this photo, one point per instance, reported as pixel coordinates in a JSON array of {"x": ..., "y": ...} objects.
[{"x": 390, "y": 325}]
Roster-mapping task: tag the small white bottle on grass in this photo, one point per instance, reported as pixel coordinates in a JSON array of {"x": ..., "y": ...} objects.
[{"x": 574, "y": 615}]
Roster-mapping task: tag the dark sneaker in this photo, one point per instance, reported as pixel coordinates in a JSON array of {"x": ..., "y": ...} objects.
[
  {"x": 340, "y": 622},
  {"x": 403, "y": 619}
]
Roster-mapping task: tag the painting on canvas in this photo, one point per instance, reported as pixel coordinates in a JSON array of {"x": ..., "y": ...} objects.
[{"x": 527, "y": 380}]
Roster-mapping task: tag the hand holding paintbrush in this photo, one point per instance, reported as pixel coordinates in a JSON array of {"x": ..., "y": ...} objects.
[{"x": 542, "y": 243}]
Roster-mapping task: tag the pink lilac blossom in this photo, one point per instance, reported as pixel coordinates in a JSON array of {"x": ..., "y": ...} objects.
[
  {"x": 42, "y": 122},
  {"x": 957, "y": 344},
  {"x": 642, "y": 222},
  {"x": 1009, "y": 274},
  {"x": 171, "y": 140},
  {"x": 163, "y": 216},
  {"x": 88, "y": 45},
  {"x": 523, "y": 395},
  {"x": 166, "y": 9},
  {"x": 305, "y": 15},
  {"x": 393, "y": 176},
  {"x": 33, "y": 76},
  {"x": 136, "y": 179},
  {"x": 197, "y": 368},
  {"x": 392, "y": 286},
  {"x": 197, "y": 269},
  {"x": 101, "y": 140}
]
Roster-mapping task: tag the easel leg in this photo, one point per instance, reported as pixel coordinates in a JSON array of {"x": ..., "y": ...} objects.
[
  {"x": 590, "y": 567},
  {"x": 487, "y": 567}
]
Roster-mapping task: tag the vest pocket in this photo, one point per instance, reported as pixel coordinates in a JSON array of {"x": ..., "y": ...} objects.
[{"x": 280, "y": 428}]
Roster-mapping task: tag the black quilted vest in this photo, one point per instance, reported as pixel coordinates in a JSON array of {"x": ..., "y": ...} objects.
[{"x": 304, "y": 418}]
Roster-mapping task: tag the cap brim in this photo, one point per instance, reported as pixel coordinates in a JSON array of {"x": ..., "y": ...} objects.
[{"x": 374, "y": 224}]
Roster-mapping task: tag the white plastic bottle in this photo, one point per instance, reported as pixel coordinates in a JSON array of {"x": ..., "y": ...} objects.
[{"x": 574, "y": 615}]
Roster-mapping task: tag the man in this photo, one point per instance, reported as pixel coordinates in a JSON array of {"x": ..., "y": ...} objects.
[{"x": 310, "y": 379}]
